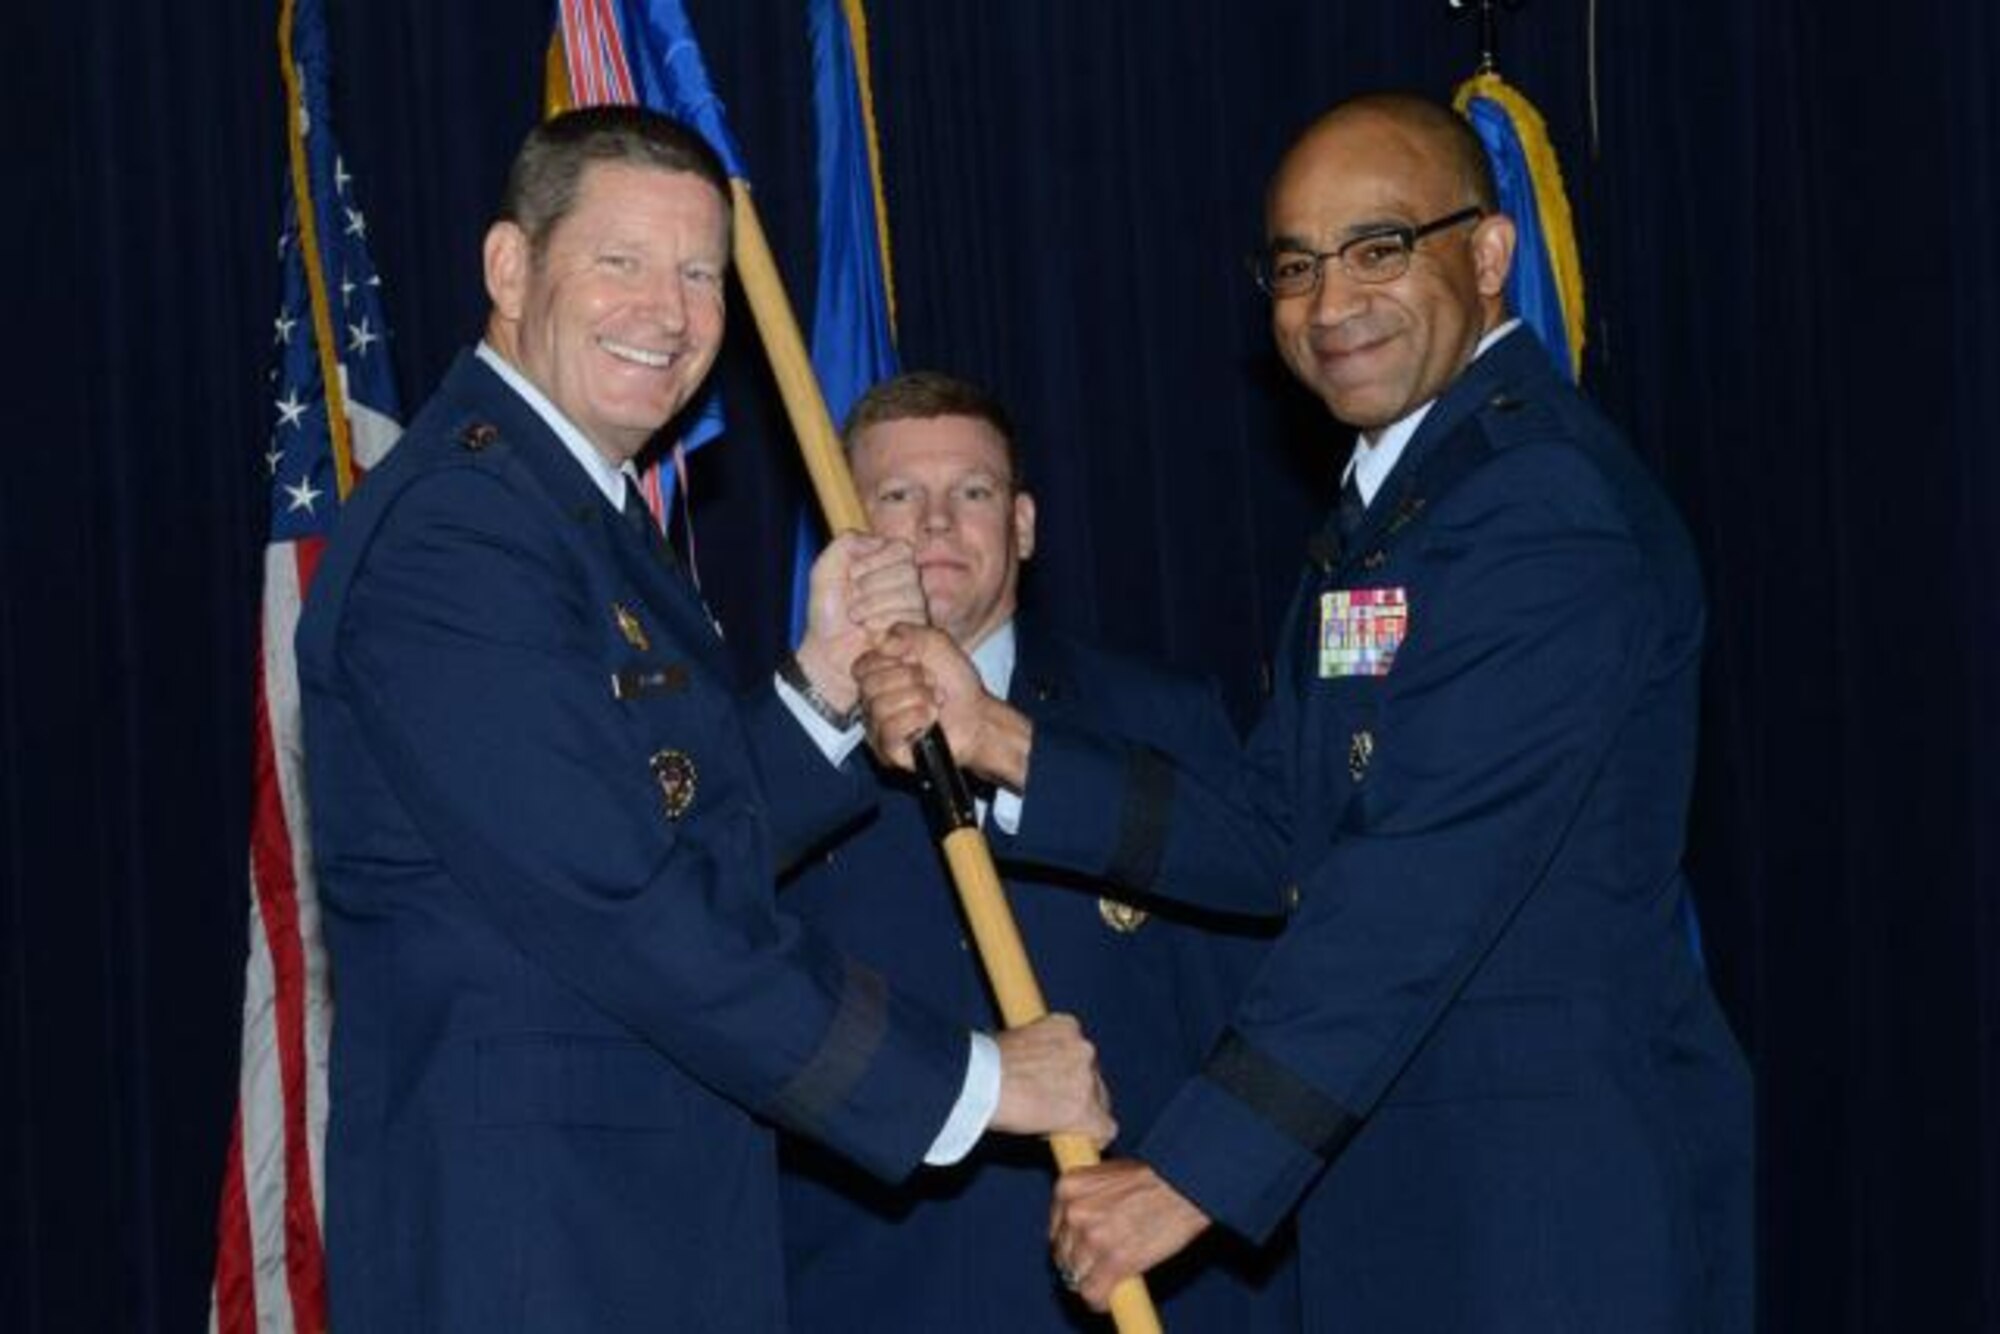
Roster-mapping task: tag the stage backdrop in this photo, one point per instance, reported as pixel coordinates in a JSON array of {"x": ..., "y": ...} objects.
[{"x": 1786, "y": 213}]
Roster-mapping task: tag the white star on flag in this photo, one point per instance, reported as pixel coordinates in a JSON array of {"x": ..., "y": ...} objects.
[
  {"x": 270, "y": 1269},
  {"x": 303, "y": 495}
]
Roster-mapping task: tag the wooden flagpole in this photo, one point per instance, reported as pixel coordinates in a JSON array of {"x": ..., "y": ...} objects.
[{"x": 984, "y": 898}]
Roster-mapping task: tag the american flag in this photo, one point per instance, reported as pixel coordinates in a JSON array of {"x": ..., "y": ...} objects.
[{"x": 269, "y": 1267}]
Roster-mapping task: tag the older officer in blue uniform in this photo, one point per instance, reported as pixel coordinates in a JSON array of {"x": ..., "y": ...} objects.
[
  {"x": 1480, "y": 1065},
  {"x": 548, "y": 833},
  {"x": 935, "y": 463}
]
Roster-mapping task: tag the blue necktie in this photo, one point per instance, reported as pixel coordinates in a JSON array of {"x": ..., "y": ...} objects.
[
  {"x": 640, "y": 519},
  {"x": 1350, "y": 512}
]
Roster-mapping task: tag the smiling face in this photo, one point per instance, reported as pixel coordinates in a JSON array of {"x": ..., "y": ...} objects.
[
  {"x": 945, "y": 486},
  {"x": 1374, "y": 352},
  {"x": 620, "y": 316}
]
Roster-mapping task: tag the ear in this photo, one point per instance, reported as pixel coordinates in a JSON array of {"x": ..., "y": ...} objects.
[
  {"x": 1493, "y": 253},
  {"x": 1024, "y": 525},
  {"x": 507, "y": 262}
]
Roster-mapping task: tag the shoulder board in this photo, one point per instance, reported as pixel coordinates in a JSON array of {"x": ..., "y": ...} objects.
[{"x": 1508, "y": 419}]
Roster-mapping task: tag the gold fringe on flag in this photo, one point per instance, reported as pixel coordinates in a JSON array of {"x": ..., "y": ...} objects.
[{"x": 1551, "y": 203}]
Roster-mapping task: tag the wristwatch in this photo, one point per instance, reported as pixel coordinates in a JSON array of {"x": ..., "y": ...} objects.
[{"x": 793, "y": 674}]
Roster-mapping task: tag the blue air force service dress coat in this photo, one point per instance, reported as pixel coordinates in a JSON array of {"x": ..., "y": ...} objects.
[
  {"x": 1480, "y": 1063},
  {"x": 966, "y": 1249},
  {"x": 548, "y": 838}
]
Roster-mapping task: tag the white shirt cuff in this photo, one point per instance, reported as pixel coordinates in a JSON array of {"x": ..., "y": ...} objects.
[
  {"x": 833, "y": 742},
  {"x": 1007, "y": 810},
  {"x": 978, "y": 1099}
]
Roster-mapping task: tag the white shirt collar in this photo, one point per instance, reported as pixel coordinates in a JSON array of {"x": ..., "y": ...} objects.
[
  {"x": 610, "y": 479},
  {"x": 1373, "y": 460},
  {"x": 994, "y": 659}
]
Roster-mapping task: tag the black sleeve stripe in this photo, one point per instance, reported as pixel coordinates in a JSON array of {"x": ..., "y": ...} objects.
[
  {"x": 858, "y": 1029},
  {"x": 1310, "y": 1118},
  {"x": 1142, "y": 822}
]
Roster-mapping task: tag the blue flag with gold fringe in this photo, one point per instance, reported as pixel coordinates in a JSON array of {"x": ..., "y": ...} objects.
[{"x": 1546, "y": 286}]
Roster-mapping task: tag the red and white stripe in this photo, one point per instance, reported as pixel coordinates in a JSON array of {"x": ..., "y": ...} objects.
[
  {"x": 594, "y": 48},
  {"x": 270, "y": 1272}
]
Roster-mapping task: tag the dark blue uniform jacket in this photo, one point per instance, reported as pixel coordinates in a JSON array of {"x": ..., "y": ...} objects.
[
  {"x": 548, "y": 836},
  {"x": 1481, "y": 1063},
  {"x": 966, "y": 1249}
]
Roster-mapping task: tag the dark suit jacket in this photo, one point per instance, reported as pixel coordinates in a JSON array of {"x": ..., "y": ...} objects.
[
  {"x": 1480, "y": 1062},
  {"x": 966, "y": 1250},
  {"x": 547, "y": 836}
]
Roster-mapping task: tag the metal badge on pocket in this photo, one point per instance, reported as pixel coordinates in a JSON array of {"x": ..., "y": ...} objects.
[
  {"x": 1121, "y": 917},
  {"x": 676, "y": 774}
]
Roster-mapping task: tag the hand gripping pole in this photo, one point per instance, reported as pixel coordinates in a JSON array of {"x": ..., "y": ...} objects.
[{"x": 948, "y": 803}]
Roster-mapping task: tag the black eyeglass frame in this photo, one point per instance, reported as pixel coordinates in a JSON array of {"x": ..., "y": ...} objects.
[{"x": 1260, "y": 264}]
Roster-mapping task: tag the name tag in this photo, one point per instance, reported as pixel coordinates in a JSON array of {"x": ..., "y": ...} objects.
[
  {"x": 638, "y": 682},
  {"x": 1360, "y": 630}
]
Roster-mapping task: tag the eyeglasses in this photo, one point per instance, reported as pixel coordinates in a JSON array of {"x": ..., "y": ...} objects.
[{"x": 1376, "y": 257}]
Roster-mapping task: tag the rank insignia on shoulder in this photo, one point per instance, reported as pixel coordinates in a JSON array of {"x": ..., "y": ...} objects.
[
  {"x": 628, "y": 626},
  {"x": 676, "y": 774},
  {"x": 476, "y": 436},
  {"x": 1121, "y": 917},
  {"x": 1360, "y": 750},
  {"x": 1360, "y": 630}
]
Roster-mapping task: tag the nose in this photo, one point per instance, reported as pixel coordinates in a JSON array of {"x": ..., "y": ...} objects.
[
  {"x": 936, "y": 516},
  {"x": 669, "y": 301},
  {"x": 1338, "y": 297}
]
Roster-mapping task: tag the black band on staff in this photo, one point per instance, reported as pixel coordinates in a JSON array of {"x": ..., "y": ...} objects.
[{"x": 947, "y": 800}]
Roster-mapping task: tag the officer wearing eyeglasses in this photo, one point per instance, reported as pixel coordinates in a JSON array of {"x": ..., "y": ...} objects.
[{"x": 1480, "y": 1065}]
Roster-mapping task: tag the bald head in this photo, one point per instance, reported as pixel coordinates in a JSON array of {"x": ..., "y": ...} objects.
[{"x": 1436, "y": 136}]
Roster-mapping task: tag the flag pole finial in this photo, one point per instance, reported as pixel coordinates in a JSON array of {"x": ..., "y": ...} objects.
[{"x": 1489, "y": 28}]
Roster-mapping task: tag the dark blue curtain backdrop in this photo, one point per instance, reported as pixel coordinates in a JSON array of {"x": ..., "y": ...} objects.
[{"x": 1788, "y": 214}]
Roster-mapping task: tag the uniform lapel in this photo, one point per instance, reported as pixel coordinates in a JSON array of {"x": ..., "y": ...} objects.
[
  {"x": 597, "y": 526},
  {"x": 1444, "y": 448}
]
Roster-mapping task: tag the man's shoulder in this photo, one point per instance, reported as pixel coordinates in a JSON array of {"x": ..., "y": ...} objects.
[
  {"x": 457, "y": 470},
  {"x": 468, "y": 435},
  {"x": 470, "y": 420},
  {"x": 1532, "y": 435},
  {"x": 1535, "y": 454}
]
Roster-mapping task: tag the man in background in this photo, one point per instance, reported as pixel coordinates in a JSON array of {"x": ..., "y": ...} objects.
[{"x": 937, "y": 467}]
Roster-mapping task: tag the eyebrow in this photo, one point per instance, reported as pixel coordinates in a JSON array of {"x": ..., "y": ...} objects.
[
  {"x": 1377, "y": 226},
  {"x": 1352, "y": 232}
]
